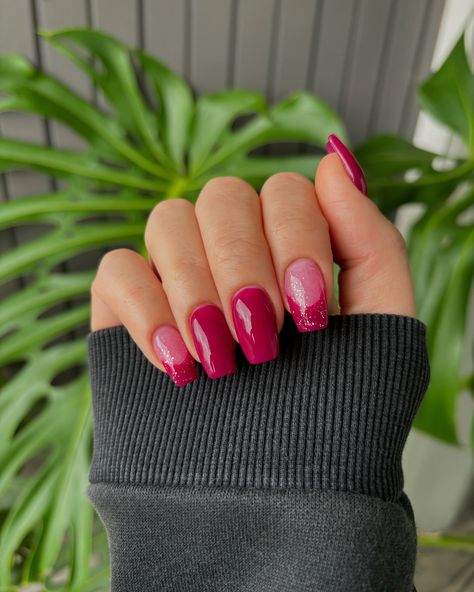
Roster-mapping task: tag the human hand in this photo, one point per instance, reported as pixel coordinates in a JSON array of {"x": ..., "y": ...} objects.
[{"x": 226, "y": 269}]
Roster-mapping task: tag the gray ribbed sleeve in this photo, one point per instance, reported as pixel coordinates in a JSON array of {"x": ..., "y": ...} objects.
[{"x": 325, "y": 422}]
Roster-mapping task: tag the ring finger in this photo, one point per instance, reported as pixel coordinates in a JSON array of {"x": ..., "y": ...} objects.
[
  {"x": 298, "y": 235},
  {"x": 230, "y": 220}
]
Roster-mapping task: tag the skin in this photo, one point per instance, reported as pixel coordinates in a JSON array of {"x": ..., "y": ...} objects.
[{"x": 233, "y": 237}]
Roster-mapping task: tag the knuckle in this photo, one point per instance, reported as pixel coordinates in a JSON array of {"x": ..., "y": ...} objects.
[
  {"x": 235, "y": 247},
  {"x": 113, "y": 260},
  {"x": 163, "y": 213},
  {"x": 136, "y": 292},
  {"x": 222, "y": 188},
  {"x": 185, "y": 272},
  {"x": 284, "y": 227},
  {"x": 285, "y": 179}
]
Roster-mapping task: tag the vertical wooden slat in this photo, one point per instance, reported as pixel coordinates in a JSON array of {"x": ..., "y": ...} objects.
[
  {"x": 210, "y": 32},
  {"x": 16, "y": 36},
  {"x": 420, "y": 66},
  {"x": 119, "y": 18},
  {"x": 371, "y": 28},
  {"x": 57, "y": 14},
  {"x": 292, "y": 53},
  {"x": 164, "y": 28},
  {"x": 406, "y": 27},
  {"x": 334, "y": 31},
  {"x": 254, "y": 29}
]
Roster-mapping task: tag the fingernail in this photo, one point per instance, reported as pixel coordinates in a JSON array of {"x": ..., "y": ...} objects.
[
  {"x": 349, "y": 161},
  {"x": 174, "y": 355},
  {"x": 255, "y": 324},
  {"x": 213, "y": 340},
  {"x": 306, "y": 294}
]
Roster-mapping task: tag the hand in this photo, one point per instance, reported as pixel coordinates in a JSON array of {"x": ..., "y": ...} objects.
[{"x": 225, "y": 269}]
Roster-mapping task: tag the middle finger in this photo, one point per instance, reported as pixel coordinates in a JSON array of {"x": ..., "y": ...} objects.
[{"x": 230, "y": 220}]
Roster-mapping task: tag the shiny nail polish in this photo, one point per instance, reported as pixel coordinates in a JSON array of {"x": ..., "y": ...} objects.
[
  {"x": 353, "y": 168},
  {"x": 213, "y": 340},
  {"x": 255, "y": 324},
  {"x": 306, "y": 294},
  {"x": 174, "y": 355}
]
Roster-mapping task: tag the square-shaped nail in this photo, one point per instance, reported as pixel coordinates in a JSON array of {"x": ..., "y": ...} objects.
[
  {"x": 213, "y": 340},
  {"x": 255, "y": 324},
  {"x": 306, "y": 294},
  {"x": 170, "y": 348}
]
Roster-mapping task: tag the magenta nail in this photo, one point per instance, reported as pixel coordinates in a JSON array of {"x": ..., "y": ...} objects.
[
  {"x": 306, "y": 294},
  {"x": 255, "y": 324},
  {"x": 353, "y": 168},
  {"x": 213, "y": 340},
  {"x": 174, "y": 355}
]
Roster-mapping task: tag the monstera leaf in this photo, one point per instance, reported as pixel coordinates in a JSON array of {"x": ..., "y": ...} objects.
[
  {"x": 441, "y": 242},
  {"x": 142, "y": 147}
]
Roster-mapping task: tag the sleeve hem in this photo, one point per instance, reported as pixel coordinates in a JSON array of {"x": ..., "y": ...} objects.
[{"x": 331, "y": 413}]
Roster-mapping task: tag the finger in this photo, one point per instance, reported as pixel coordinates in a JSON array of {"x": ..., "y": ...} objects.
[
  {"x": 230, "y": 221},
  {"x": 174, "y": 244},
  {"x": 126, "y": 285},
  {"x": 298, "y": 236},
  {"x": 102, "y": 316},
  {"x": 375, "y": 275}
]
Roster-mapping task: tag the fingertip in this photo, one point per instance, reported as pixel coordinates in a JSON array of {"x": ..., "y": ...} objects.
[
  {"x": 349, "y": 162},
  {"x": 333, "y": 183}
]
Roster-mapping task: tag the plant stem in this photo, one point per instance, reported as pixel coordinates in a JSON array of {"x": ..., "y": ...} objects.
[{"x": 455, "y": 542}]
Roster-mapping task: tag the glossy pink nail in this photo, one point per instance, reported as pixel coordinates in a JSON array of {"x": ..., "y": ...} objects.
[
  {"x": 213, "y": 340},
  {"x": 353, "y": 168},
  {"x": 306, "y": 294},
  {"x": 255, "y": 324},
  {"x": 174, "y": 355}
]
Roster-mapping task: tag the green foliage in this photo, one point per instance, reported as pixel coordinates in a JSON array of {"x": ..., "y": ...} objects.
[
  {"x": 441, "y": 242},
  {"x": 150, "y": 145},
  {"x": 145, "y": 147}
]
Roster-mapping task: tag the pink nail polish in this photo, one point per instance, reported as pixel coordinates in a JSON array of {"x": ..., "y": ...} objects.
[
  {"x": 174, "y": 355},
  {"x": 353, "y": 168},
  {"x": 306, "y": 294},
  {"x": 255, "y": 324},
  {"x": 213, "y": 340}
]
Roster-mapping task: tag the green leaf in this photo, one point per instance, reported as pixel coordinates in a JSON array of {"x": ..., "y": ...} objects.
[
  {"x": 214, "y": 115},
  {"x": 448, "y": 95},
  {"x": 39, "y": 296},
  {"x": 31, "y": 208},
  {"x": 66, "y": 497},
  {"x": 176, "y": 107},
  {"x": 23, "y": 515},
  {"x": 114, "y": 74},
  {"x": 256, "y": 170},
  {"x": 63, "y": 163},
  {"x": 441, "y": 258},
  {"x": 447, "y": 349},
  {"x": 35, "y": 92},
  {"x": 389, "y": 156},
  {"x": 387, "y": 159},
  {"x": 59, "y": 244},
  {"x": 13, "y": 347},
  {"x": 302, "y": 118}
]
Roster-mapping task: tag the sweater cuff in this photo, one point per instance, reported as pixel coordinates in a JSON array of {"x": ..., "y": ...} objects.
[{"x": 332, "y": 412}]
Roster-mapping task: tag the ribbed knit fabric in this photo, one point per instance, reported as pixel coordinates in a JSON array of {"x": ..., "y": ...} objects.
[
  {"x": 329, "y": 417},
  {"x": 332, "y": 412}
]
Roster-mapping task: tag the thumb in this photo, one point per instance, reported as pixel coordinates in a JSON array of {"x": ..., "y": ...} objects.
[{"x": 375, "y": 276}]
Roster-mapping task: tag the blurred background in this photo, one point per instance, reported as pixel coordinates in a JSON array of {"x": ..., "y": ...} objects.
[{"x": 365, "y": 58}]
